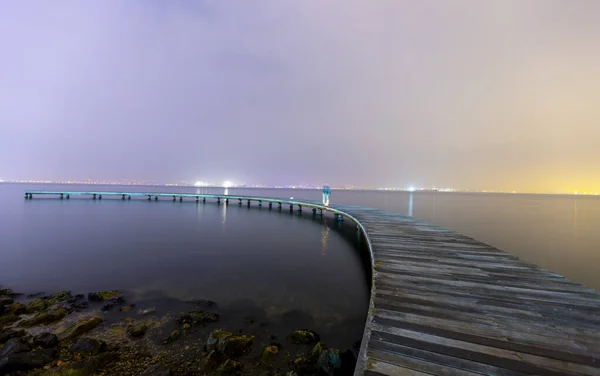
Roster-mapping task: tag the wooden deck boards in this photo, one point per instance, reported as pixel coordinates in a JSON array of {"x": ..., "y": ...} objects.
[{"x": 445, "y": 304}]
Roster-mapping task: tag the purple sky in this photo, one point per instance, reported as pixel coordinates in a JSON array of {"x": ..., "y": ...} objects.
[{"x": 469, "y": 94}]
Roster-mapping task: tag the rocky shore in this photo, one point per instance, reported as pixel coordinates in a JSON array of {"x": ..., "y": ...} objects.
[{"x": 67, "y": 334}]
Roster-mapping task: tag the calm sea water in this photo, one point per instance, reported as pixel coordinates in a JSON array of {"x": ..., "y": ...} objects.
[{"x": 273, "y": 267}]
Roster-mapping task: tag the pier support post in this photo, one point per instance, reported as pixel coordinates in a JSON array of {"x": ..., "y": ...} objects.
[
  {"x": 226, "y": 201},
  {"x": 68, "y": 196},
  {"x": 94, "y": 196},
  {"x": 203, "y": 200},
  {"x": 174, "y": 198},
  {"x": 99, "y": 197},
  {"x": 149, "y": 197},
  {"x": 248, "y": 203},
  {"x": 180, "y": 198},
  {"x": 219, "y": 200},
  {"x": 314, "y": 212},
  {"x": 197, "y": 199},
  {"x": 291, "y": 208},
  {"x": 61, "y": 196},
  {"x": 26, "y": 196},
  {"x": 300, "y": 208},
  {"x": 155, "y": 198},
  {"x": 270, "y": 205},
  {"x": 321, "y": 212},
  {"x": 279, "y": 203},
  {"x": 122, "y": 197},
  {"x": 239, "y": 201},
  {"x": 129, "y": 197},
  {"x": 259, "y": 203}
]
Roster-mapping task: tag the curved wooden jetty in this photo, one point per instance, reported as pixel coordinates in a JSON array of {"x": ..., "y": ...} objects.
[{"x": 445, "y": 304}]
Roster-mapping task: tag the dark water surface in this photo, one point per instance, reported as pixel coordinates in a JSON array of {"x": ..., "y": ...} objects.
[{"x": 268, "y": 266}]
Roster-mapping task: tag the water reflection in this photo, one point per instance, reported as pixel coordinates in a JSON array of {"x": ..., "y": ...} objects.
[
  {"x": 324, "y": 240},
  {"x": 410, "y": 204}
]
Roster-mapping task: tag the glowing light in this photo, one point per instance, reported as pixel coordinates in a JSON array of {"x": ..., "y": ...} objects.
[
  {"x": 411, "y": 189},
  {"x": 227, "y": 184},
  {"x": 200, "y": 184}
]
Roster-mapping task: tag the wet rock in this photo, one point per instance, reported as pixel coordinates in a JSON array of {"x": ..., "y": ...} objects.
[
  {"x": 329, "y": 361},
  {"x": 8, "y": 319},
  {"x": 17, "y": 309},
  {"x": 45, "y": 340},
  {"x": 6, "y": 301},
  {"x": 270, "y": 351},
  {"x": 80, "y": 306},
  {"x": 52, "y": 315},
  {"x": 215, "y": 338},
  {"x": 43, "y": 303},
  {"x": 127, "y": 308},
  {"x": 103, "y": 296},
  {"x": 156, "y": 370},
  {"x": 88, "y": 346},
  {"x": 35, "y": 295},
  {"x": 230, "y": 368},
  {"x": 14, "y": 346},
  {"x": 291, "y": 373},
  {"x": 211, "y": 362},
  {"x": 76, "y": 298},
  {"x": 175, "y": 334},
  {"x": 111, "y": 303},
  {"x": 24, "y": 361},
  {"x": 146, "y": 311},
  {"x": 304, "y": 337},
  {"x": 303, "y": 366},
  {"x": 79, "y": 328},
  {"x": 7, "y": 334},
  {"x": 67, "y": 307},
  {"x": 137, "y": 329},
  {"x": 235, "y": 346},
  {"x": 198, "y": 317},
  {"x": 316, "y": 351}
]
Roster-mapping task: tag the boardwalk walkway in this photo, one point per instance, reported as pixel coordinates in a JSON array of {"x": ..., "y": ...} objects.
[{"x": 445, "y": 304}]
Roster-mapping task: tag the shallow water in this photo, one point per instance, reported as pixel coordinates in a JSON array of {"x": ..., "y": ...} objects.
[{"x": 282, "y": 270}]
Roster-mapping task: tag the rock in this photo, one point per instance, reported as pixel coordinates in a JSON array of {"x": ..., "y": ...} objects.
[
  {"x": 66, "y": 306},
  {"x": 27, "y": 360},
  {"x": 270, "y": 351},
  {"x": 304, "y": 337},
  {"x": 35, "y": 295},
  {"x": 111, "y": 303},
  {"x": 45, "y": 340},
  {"x": 5, "y": 335},
  {"x": 230, "y": 368},
  {"x": 172, "y": 337},
  {"x": 14, "y": 346},
  {"x": 79, "y": 328},
  {"x": 76, "y": 298},
  {"x": 198, "y": 317},
  {"x": 156, "y": 370},
  {"x": 8, "y": 293},
  {"x": 103, "y": 295},
  {"x": 80, "y": 306},
  {"x": 329, "y": 361},
  {"x": 42, "y": 303},
  {"x": 316, "y": 351},
  {"x": 303, "y": 366},
  {"x": 53, "y": 315},
  {"x": 6, "y": 301},
  {"x": 8, "y": 319},
  {"x": 235, "y": 346},
  {"x": 210, "y": 362},
  {"x": 127, "y": 308},
  {"x": 146, "y": 311},
  {"x": 291, "y": 373},
  {"x": 216, "y": 337},
  {"x": 88, "y": 346},
  {"x": 137, "y": 329},
  {"x": 17, "y": 309},
  {"x": 91, "y": 365}
]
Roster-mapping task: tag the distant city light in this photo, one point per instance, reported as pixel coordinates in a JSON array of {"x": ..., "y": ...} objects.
[
  {"x": 200, "y": 184},
  {"x": 411, "y": 189},
  {"x": 227, "y": 184}
]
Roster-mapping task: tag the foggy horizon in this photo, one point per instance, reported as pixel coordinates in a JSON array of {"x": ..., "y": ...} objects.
[{"x": 497, "y": 95}]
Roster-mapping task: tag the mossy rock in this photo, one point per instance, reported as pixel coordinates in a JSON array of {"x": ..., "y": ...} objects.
[
  {"x": 8, "y": 292},
  {"x": 235, "y": 346},
  {"x": 137, "y": 329},
  {"x": 304, "y": 365},
  {"x": 304, "y": 337},
  {"x": 88, "y": 346},
  {"x": 175, "y": 334},
  {"x": 44, "y": 318},
  {"x": 211, "y": 362},
  {"x": 17, "y": 309},
  {"x": 216, "y": 337},
  {"x": 6, "y": 301},
  {"x": 78, "y": 329},
  {"x": 230, "y": 368},
  {"x": 316, "y": 351},
  {"x": 270, "y": 351},
  {"x": 8, "y": 319},
  {"x": 198, "y": 317},
  {"x": 329, "y": 361},
  {"x": 43, "y": 303},
  {"x": 103, "y": 295}
]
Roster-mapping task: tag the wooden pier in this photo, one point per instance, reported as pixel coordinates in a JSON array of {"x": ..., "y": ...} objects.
[{"x": 445, "y": 304}]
